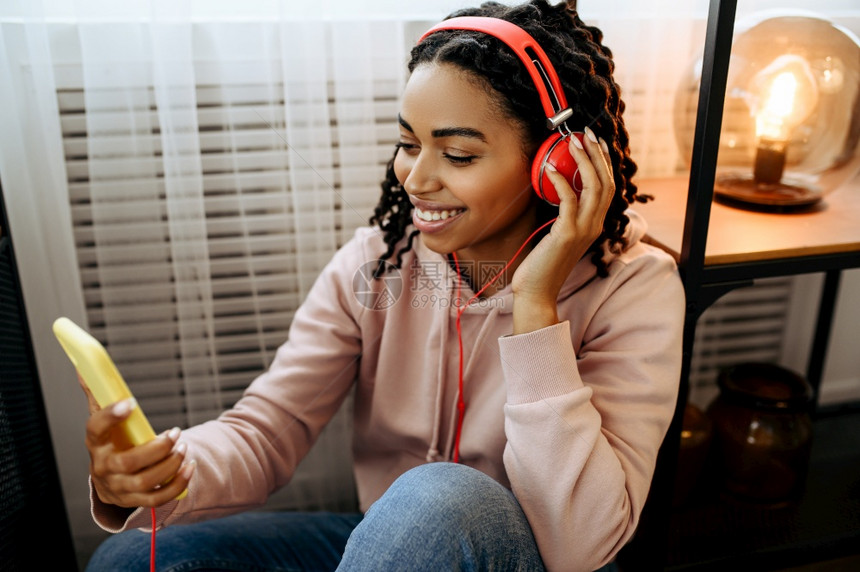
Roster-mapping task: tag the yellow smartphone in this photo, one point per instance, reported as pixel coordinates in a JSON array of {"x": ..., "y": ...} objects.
[{"x": 104, "y": 381}]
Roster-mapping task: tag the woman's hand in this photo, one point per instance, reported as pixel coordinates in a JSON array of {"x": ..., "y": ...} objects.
[
  {"x": 137, "y": 476},
  {"x": 538, "y": 280}
]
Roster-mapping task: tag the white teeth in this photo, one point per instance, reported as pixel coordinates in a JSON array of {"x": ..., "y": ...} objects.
[{"x": 437, "y": 215}]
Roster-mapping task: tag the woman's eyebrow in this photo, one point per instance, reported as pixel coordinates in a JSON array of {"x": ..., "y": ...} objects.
[
  {"x": 459, "y": 132},
  {"x": 447, "y": 131},
  {"x": 404, "y": 124}
]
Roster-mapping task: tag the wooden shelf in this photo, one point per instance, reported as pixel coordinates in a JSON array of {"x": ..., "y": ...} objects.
[{"x": 744, "y": 236}]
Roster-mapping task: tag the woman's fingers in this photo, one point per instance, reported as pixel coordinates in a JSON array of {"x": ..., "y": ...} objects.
[
  {"x": 149, "y": 478},
  {"x": 562, "y": 188},
  {"x": 149, "y": 454},
  {"x": 91, "y": 401},
  {"x": 150, "y": 489},
  {"x": 596, "y": 173},
  {"x": 607, "y": 179},
  {"x": 103, "y": 422},
  {"x": 588, "y": 209},
  {"x": 599, "y": 153},
  {"x": 145, "y": 475}
]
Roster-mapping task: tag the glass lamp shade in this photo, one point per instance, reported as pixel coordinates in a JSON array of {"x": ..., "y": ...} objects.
[{"x": 791, "y": 120}]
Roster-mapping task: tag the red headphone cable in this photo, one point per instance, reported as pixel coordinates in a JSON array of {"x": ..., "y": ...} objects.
[
  {"x": 461, "y": 403},
  {"x": 152, "y": 543}
]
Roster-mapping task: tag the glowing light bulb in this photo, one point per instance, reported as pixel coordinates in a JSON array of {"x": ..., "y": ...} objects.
[{"x": 788, "y": 93}]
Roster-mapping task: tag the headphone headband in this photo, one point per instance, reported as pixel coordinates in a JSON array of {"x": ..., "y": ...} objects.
[{"x": 541, "y": 70}]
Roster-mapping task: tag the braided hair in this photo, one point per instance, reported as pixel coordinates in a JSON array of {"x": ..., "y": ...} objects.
[{"x": 584, "y": 66}]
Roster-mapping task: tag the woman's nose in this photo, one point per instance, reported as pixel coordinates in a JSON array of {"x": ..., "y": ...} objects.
[{"x": 421, "y": 177}]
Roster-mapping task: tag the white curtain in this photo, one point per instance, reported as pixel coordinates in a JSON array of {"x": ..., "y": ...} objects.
[
  {"x": 175, "y": 183},
  {"x": 178, "y": 172}
]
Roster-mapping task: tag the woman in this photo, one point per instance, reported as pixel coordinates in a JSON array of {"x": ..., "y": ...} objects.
[{"x": 504, "y": 419}]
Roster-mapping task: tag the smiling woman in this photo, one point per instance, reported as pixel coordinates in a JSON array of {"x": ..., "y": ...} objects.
[{"x": 569, "y": 361}]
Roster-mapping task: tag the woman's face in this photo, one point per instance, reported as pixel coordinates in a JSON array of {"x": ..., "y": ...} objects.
[{"x": 462, "y": 163}]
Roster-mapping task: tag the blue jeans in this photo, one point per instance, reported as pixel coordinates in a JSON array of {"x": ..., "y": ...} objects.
[{"x": 439, "y": 516}]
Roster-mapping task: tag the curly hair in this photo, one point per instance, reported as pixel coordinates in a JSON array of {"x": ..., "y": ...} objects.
[{"x": 584, "y": 66}]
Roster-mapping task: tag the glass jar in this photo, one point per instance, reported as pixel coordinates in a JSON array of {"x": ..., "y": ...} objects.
[{"x": 762, "y": 431}]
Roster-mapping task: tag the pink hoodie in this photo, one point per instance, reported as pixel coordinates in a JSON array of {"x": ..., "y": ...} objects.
[{"x": 570, "y": 416}]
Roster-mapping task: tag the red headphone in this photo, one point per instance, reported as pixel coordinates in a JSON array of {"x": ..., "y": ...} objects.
[{"x": 554, "y": 150}]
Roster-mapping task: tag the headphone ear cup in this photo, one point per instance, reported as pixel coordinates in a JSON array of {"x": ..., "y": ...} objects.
[{"x": 555, "y": 151}]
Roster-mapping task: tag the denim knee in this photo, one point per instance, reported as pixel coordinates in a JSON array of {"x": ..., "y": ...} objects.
[
  {"x": 443, "y": 496},
  {"x": 450, "y": 488},
  {"x": 443, "y": 516}
]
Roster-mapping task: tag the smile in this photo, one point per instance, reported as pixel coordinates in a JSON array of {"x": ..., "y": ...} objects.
[{"x": 437, "y": 215}]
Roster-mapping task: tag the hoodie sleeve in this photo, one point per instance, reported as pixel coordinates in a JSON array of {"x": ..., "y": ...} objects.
[
  {"x": 253, "y": 448},
  {"x": 583, "y": 430}
]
